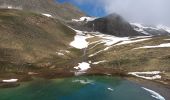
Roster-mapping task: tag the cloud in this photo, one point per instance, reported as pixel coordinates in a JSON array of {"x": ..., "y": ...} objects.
[{"x": 143, "y": 11}]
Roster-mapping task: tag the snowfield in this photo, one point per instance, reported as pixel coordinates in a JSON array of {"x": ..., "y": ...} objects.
[
  {"x": 83, "y": 66},
  {"x": 153, "y": 75},
  {"x": 154, "y": 94},
  {"x": 80, "y": 41}
]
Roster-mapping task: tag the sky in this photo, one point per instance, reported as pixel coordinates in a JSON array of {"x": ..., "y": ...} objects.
[{"x": 141, "y": 11}]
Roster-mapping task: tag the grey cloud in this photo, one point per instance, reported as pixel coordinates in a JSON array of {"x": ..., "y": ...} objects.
[{"x": 143, "y": 11}]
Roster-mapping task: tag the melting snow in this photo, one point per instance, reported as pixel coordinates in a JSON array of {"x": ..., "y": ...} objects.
[
  {"x": 60, "y": 54},
  {"x": 83, "y": 66},
  {"x": 95, "y": 63},
  {"x": 10, "y": 80},
  {"x": 110, "y": 41},
  {"x": 133, "y": 41},
  {"x": 48, "y": 15},
  {"x": 167, "y": 39},
  {"x": 164, "y": 45},
  {"x": 154, "y": 75},
  {"x": 80, "y": 40},
  {"x": 154, "y": 94},
  {"x": 83, "y": 19}
]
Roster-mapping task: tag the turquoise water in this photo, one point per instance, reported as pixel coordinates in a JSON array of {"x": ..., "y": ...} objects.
[{"x": 77, "y": 88}]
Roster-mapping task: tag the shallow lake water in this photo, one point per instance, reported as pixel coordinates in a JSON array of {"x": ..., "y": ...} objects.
[{"x": 77, "y": 88}]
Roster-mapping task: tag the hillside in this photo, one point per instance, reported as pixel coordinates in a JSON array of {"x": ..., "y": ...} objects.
[
  {"x": 64, "y": 11},
  {"x": 34, "y": 43},
  {"x": 31, "y": 41}
]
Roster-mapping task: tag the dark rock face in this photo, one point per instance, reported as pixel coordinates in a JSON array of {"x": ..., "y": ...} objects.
[
  {"x": 62, "y": 11},
  {"x": 113, "y": 25}
]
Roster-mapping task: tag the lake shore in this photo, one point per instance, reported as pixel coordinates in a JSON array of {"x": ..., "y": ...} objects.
[{"x": 156, "y": 85}]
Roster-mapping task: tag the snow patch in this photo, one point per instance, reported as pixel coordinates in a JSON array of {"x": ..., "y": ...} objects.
[
  {"x": 133, "y": 41},
  {"x": 167, "y": 39},
  {"x": 83, "y": 66},
  {"x": 164, "y": 45},
  {"x": 47, "y": 15},
  {"x": 95, "y": 63},
  {"x": 152, "y": 75},
  {"x": 10, "y": 80},
  {"x": 83, "y": 19},
  {"x": 109, "y": 41},
  {"x": 79, "y": 41},
  {"x": 10, "y": 7},
  {"x": 60, "y": 54},
  {"x": 154, "y": 94}
]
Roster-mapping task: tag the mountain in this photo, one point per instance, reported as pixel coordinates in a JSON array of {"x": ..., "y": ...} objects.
[
  {"x": 64, "y": 11},
  {"x": 151, "y": 30},
  {"x": 37, "y": 43},
  {"x": 112, "y": 24}
]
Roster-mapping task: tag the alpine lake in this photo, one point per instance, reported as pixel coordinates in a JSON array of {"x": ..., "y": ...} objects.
[{"x": 77, "y": 88}]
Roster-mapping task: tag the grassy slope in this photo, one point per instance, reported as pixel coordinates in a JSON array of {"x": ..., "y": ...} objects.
[
  {"x": 29, "y": 40},
  {"x": 127, "y": 58}
]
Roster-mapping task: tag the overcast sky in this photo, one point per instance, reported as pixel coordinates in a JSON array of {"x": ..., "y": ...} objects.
[{"x": 143, "y": 11}]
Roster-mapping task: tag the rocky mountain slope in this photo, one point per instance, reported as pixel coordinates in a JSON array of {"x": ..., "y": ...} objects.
[
  {"x": 62, "y": 11},
  {"x": 116, "y": 25},
  {"x": 112, "y": 24}
]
